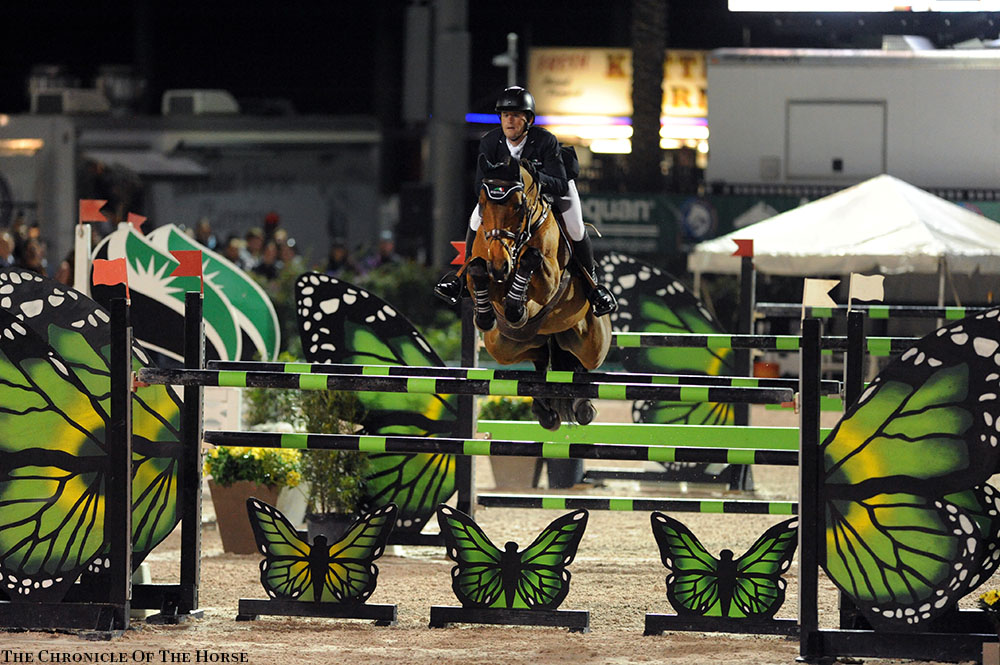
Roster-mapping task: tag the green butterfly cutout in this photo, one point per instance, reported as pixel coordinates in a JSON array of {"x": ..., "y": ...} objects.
[
  {"x": 340, "y": 572},
  {"x": 535, "y": 578},
  {"x": 343, "y": 323},
  {"x": 911, "y": 524},
  {"x": 54, "y": 406},
  {"x": 748, "y": 587}
]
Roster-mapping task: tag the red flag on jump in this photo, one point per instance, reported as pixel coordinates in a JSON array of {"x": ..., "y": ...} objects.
[
  {"x": 90, "y": 210},
  {"x": 188, "y": 264},
  {"x": 114, "y": 271},
  {"x": 459, "y": 246},
  {"x": 136, "y": 222},
  {"x": 744, "y": 247}
]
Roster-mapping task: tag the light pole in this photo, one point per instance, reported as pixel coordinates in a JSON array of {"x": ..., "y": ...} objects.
[{"x": 508, "y": 59}]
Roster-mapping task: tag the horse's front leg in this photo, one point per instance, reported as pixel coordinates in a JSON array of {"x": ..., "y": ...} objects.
[
  {"x": 478, "y": 273},
  {"x": 514, "y": 303}
]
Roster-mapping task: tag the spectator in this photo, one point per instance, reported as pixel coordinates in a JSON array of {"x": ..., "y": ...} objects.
[
  {"x": 288, "y": 258},
  {"x": 235, "y": 251},
  {"x": 33, "y": 257},
  {"x": 268, "y": 266},
  {"x": 203, "y": 234},
  {"x": 64, "y": 274},
  {"x": 385, "y": 253},
  {"x": 6, "y": 249},
  {"x": 339, "y": 260},
  {"x": 254, "y": 245}
]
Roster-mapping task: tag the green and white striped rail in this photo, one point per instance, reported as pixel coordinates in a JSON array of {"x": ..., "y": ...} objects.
[
  {"x": 876, "y": 346},
  {"x": 484, "y": 447},
  {"x": 723, "y": 436},
  {"x": 791, "y": 310},
  {"x": 451, "y": 386},
  {"x": 641, "y": 504},
  {"x": 827, "y": 387}
]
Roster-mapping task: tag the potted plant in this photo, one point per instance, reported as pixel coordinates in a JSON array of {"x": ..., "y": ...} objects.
[
  {"x": 238, "y": 473},
  {"x": 335, "y": 479},
  {"x": 511, "y": 472}
]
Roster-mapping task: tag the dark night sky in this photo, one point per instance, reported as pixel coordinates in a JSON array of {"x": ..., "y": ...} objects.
[{"x": 342, "y": 57}]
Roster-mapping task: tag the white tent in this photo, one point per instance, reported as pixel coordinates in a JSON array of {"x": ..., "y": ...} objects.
[{"x": 882, "y": 225}]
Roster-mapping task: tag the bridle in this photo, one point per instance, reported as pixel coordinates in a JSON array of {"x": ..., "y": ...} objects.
[{"x": 532, "y": 208}]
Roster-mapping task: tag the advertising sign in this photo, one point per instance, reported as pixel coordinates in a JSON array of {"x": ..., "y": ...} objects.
[{"x": 598, "y": 81}]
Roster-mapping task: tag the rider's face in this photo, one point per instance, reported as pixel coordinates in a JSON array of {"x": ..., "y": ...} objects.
[{"x": 514, "y": 124}]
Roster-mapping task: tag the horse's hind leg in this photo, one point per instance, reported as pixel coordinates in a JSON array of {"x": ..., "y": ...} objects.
[
  {"x": 544, "y": 408},
  {"x": 514, "y": 309},
  {"x": 485, "y": 318},
  {"x": 581, "y": 409}
]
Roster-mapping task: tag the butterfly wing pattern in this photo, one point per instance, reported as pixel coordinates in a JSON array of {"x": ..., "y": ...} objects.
[
  {"x": 487, "y": 577},
  {"x": 651, "y": 300},
  {"x": 341, "y": 572},
  {"x": 749, "y": 587},
  {"x": 55, "y": 380},
  {"x": 911, "y": 523},
  {"x": 343, "y": 323}
]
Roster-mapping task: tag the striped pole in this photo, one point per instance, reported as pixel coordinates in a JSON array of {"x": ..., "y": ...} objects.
[
  {"x": 447, "y": 386},
  {"x": 723, "y": 436},
  {"x": 792, "y": 310},
  {"x": 828, "y": 387},
  {"x": 563, "y": 502},
  {"x": 485, "y": 447},
  {"x": 876, "y": 346}
]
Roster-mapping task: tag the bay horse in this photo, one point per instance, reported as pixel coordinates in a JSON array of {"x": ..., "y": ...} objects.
[{"x": 530, "y": 304}]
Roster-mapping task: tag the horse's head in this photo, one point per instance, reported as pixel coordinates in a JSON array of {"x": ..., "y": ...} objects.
[{"x": 502, "y": 203}]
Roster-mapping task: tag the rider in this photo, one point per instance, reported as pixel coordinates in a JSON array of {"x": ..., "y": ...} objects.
[{"x": 518, "y": 137}]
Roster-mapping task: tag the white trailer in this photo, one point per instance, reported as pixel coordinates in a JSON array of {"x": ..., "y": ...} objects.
[{"x": 783, "y": 117}]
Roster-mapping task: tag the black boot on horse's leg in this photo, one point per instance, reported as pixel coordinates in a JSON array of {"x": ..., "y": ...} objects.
[
  {"x": 485, "y": 318},
  {"x": 449, "y": 288},
  {"x": 601, "y": 300},
  {"x": 514, "y": 309}
]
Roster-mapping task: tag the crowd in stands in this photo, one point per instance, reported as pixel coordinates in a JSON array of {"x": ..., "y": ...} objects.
[
  {"x": 264, "y": 251},
  {"x": 22, "y": 246}
]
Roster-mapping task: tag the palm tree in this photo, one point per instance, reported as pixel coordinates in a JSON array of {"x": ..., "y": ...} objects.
[{"x": 649, "y": 41}]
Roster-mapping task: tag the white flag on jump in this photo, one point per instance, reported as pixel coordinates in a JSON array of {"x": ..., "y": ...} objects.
[
  {"x": 816, "y": 293},
  {"x": 866, "y": 287}
]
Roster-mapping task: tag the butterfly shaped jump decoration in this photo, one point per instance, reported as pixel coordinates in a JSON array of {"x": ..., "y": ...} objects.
[
  {"x": 745, "y": 587},
  {"x": 342, "y": 572},
  {"x": 911, "y": 523},
  {"x": 54, "y": 408},
  {"x": 488, "y": 577},
  {"x": 343, "y": 323}
]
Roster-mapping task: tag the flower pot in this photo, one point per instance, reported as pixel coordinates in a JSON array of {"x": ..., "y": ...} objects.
[
  {"x": 332, "y": 526},
  {"x": 515, "y": 472},
  {"x": 231, "y": 513},
  {"x": 563, "y": 473}
]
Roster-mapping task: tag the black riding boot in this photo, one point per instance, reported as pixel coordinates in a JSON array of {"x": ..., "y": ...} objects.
[
  {"x": 450, "y": 287},
  {"x": 601, "y": 300}
]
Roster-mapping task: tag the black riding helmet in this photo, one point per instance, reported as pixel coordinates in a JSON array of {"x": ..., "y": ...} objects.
[{"x": 516, "y": 98}]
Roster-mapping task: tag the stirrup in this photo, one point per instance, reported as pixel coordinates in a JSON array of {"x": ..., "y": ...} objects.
[
  {"x": 602, "y": 301},
  {"x": 449, "y": 288}
]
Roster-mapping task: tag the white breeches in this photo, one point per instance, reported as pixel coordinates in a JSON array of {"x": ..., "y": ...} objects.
[{"x": 568, "y": 205}]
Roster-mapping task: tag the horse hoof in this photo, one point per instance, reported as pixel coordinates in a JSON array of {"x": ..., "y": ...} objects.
[
  {"x": 486, "y": 323},
  {"x": 547, "y": 417},
  {"x": 549, "y": 421},
  {"x": 584, "y": 411},
  {"x": 516, "y": 317}
]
